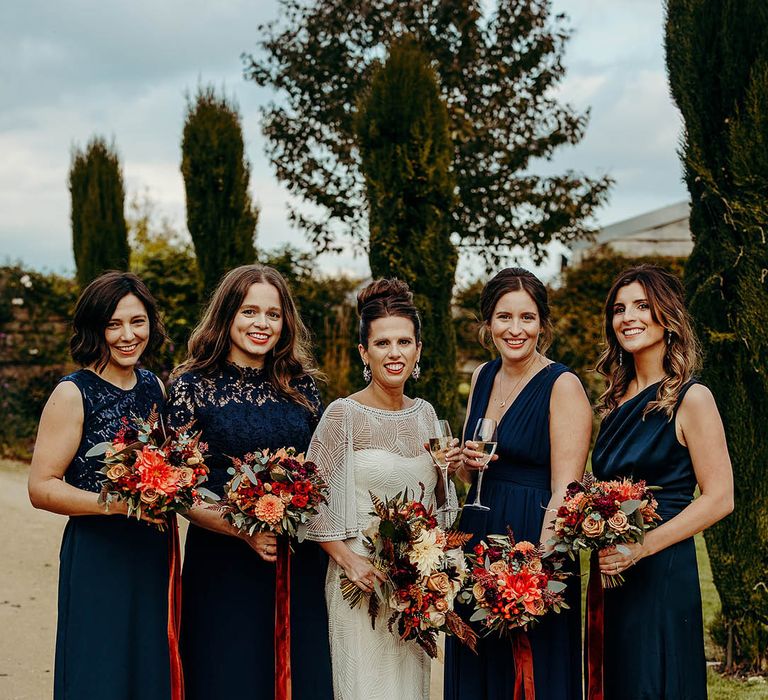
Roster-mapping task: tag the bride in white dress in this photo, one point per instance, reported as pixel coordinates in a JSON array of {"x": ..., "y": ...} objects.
[{"x": 373, "y": 440}]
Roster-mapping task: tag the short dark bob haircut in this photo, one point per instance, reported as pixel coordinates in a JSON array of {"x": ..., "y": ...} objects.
[{"x": 88, "y": 344}]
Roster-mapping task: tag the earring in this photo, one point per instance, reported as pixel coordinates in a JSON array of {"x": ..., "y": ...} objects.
[
  {"x": 416, "y": 372},
  {"x": 621, "y": 358},
  {"x": 367, "y": 374},
  {"x": 669, "y": 337}
]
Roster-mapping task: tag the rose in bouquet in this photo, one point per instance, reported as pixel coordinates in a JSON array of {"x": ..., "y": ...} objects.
[
  {"x": 154, "y": 470},
  {"x": 425, "y": 570},
  {"x": 511, "y": 585},
  {"x": 598, "y": 514},
  {"x": 273, "y": 492}
]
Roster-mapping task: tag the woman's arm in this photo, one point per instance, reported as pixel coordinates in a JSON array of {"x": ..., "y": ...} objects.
[
  {"x": 58, "y": 439},
  {"x": 699, "y": 427},
  {"x": 570, "y": 430}
]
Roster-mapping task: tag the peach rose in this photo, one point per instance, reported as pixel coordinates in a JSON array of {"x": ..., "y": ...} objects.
[
  {"x": 116, "y": 471},
  {"x": 441, "y": 605},
  {"x": 498, "y": 567},
  {"x": 534, "y": 566},
  {"x": 186, "y": 477},
  {"x": 439, "y": 583},
  {"x": 192, "y": 461},
  {"x": 593, "y": 525},
  {"x": 115, "y": 448},
  {"x": 525, "y": 547},
  {"x": 619, "y": 521},
  {"x": 479, "y": 592},
  {"x": 149, "y": 496}
]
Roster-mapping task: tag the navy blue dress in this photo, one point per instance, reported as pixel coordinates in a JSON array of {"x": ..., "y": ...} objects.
[
  {"x": 654, "y": 632},
  {"x": 111, "y": 637},
  {"x": 516, "y": 487},
  {"x": 228, "y": 590}
]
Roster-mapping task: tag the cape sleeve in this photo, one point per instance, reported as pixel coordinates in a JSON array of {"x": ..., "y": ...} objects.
[{"x": 332, "y": 450}]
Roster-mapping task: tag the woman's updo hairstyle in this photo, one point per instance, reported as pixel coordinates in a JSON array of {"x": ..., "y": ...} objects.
[
  {"x": 514, "y": 279},
  {"x": 382, "y": 298}
]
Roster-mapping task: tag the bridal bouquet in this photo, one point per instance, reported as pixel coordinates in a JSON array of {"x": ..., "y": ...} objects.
[
  {"x": 597, "y": 514},
  {"x": 155, "y": 471},
  {"x": 511, "y": 585},
  {"x": 425, "y": 570},
  {"x": 273, "y": 492}
]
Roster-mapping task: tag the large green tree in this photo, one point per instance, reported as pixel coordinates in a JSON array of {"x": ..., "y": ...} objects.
[
  {"x": 406, "y": 152},
  {"x": 99, "y": 232},
  {"x": 717, "y": 57},
  {"x": 497, "y": 76},
  {"x": 220, "y": 215}
]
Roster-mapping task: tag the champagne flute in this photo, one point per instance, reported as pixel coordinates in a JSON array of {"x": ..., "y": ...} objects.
[
  {"x": 485, "y": 439},
  {"x": 438, "y": 445}
]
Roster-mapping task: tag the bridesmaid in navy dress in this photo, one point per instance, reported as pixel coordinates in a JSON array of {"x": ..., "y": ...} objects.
[
  {"x": 110, "y": 609},
  {"x": 660, "y": 425},
  {"x": 248, "y": 385},
  {"x": 544, "y": 427}
]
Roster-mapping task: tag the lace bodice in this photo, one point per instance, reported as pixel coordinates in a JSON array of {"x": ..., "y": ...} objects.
[
  {"x": 104, "y": 407},
  {"x": 362, "y": 449},
  {"x": 238, "y": 411}
]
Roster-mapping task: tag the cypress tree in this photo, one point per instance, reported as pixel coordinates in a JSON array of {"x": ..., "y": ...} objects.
[
  {"x": 99, "y": 231},
  {"x": 220, "y": 216},
  {"x": 717, "y": 57},
  {"x": 406, "y": 154}
]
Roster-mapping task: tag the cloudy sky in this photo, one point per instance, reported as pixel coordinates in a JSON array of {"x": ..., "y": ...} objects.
[{"x": 72, "y": 69}]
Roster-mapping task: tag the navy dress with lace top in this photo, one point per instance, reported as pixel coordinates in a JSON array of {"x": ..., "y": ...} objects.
[
  {"x": 654, "y": 634},
  {"x": 516, "y": 487},
  {"x": 228, "y": 590},
  {"x": 111, "y": 637}
]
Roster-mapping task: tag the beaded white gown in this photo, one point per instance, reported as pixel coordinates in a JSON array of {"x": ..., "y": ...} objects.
[{"x": 362, "y": 449}]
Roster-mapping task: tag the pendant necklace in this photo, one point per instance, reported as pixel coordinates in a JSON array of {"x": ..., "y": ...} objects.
[{"x": 517, "y": 384}]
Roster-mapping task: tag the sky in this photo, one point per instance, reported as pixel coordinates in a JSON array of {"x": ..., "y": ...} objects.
[{"x": 73, "y": 69}]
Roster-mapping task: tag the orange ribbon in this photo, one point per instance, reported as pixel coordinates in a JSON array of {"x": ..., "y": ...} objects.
[
  {"x": 521, "y": 652},
  {"x": 174, "y": 609},
  {"x": 283, "y": 620},
  {"x": 595, "y": 631}
]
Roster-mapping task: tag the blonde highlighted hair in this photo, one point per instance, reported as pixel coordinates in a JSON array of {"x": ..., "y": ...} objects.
[
  {"x": 682, "y": 357},
  {"x": 210, "y": 343}
]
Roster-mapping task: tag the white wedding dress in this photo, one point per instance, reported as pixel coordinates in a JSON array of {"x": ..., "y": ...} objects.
[{"x": 362, "y": 449}]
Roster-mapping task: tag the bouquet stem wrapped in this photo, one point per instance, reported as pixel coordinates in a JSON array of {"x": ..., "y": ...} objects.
[{"x": 276, "y": 492}]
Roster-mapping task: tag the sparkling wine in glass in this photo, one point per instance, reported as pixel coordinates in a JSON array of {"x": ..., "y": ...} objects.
[
  {"x": 484, "y": 438},
  {"x": 439, "y": 443}
]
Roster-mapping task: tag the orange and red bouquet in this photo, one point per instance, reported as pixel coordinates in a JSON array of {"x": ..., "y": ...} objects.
[
  {"x": 154, "y": 470},
  {"x": 598, "y": 514},
  {"x": 425, "y": 570},
  {"x": 512, "y": 585},
  {"x": 273, "y": 492}
]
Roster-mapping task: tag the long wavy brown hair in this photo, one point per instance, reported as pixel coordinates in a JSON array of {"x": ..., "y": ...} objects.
[
  {"x": 682, "y": 357},
  {"x": 210, "y": 343}
]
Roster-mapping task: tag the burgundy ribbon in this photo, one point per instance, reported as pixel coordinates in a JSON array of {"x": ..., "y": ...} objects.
[
  {"x": 595, "y": 632},
  {"x": 283, "y": 620},
  {"x": 174, "y": 609},
  {"x": 521, "y": 651}
]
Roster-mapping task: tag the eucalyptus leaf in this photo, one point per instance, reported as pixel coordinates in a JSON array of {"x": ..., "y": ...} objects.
[
  {"x": 98, "y": 449},
  {"x": 207, "y": 495},
  {"x": 556, "y": 586},
  {"x": 479, "y": 614},
  {"x": 249, "y": 473},
  {"x": 630, "y": 506},
  {"x": 301, "y": 532},
  {"x": 624, "y": 550}
]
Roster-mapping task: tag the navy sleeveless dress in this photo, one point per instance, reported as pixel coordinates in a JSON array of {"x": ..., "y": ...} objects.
[
  {"x": 228, "y": 590},
  {"x": 111, "y": 638},
  {"x": 653, "y": 622},
  {"x": 516, "y": 487}
]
